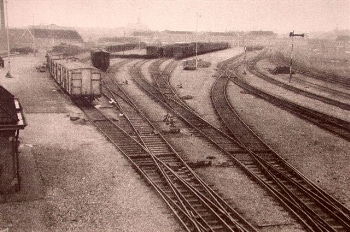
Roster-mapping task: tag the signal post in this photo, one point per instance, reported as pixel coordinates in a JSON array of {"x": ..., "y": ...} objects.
[{"x": 292, "y": 34}]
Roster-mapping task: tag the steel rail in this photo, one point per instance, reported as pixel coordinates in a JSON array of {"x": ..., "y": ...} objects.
[
  {"x": 227, "y": 118},
  {"x": 254, "y": 70},
  {"x": 332, "y": 124},
  {"x": 212, "y": 203},
  {"x": 173, "y": 150},
  {"x": 286, "y": 202},
  {"x": 213, "y": 195},
  {"x": 253, "y": 175},
  {"x": 104, "y": 123},
  {"x": 310, "y": 212},
  {"x": 168, "y": 200},
  {"x": 322, "y": 199},
  {"x": 344, "y": 82}
]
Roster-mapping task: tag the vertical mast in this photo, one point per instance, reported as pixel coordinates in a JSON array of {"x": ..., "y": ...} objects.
[{"x": 8, "y": 41}]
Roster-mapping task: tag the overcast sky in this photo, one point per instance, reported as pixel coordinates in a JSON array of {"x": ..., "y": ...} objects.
[{"x": 214, "y": 15}]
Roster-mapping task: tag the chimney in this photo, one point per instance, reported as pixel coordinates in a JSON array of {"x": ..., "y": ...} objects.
[{"x": 2, "y": 13}]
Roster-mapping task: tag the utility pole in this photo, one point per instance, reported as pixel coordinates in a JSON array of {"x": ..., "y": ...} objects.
[
  {"x": 291, "y": 34},
  {"x": 245, "y": 60},
  {"x": 8, "y": 42},
  {"x": 124, "y": 43},
  {"x": 197, "y": 41},
  {"x": 140, "y": 40},
  {"x": 32, "y": 35}
]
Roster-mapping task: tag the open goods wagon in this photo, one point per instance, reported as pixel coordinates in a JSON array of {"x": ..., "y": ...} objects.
[
  {"x": 100, "y": 59},
  {"x": 50, "y": 61},
  {"x": 78, "y": 80}
]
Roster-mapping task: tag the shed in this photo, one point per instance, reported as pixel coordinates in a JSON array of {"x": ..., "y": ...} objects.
[{"x": 11, "y": 121}]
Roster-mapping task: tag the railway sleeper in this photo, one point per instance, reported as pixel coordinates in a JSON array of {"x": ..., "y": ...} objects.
[
  {"x": 147, "y": 166},
  {"x": 155, "y": 143},
  {"x": 137, "y": 156},
  {"x": 153, "y": 140},
  {"x": 166, "y": 154},
  {"x": 159, "y": 148},
  {"x": 132, "y": 150},
  {"x": 173, "y": 164}
]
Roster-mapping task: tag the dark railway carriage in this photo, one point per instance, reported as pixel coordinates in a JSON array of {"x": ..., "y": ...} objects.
[
  {"x": 184, "y": 50},
  {"x": 100, "y": 59},
  {"x": 168, "y": 51},
  {"x": 154, "y": 51}
]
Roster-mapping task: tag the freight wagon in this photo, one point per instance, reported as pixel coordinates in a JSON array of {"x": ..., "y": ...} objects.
[
  {"x": 154, "y": 51},
  {"x": 80, "y": 81},
  {"x": 100, "y": 59},
  {"x": 50, "y": 61}
]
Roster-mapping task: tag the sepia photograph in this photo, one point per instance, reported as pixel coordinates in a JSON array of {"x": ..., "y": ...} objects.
[{"x": 175, "y": 116}]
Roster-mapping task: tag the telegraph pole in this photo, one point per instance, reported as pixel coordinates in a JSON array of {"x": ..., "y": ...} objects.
[
  {"x": 8, "y": 42},
  {"x": 124, "y": 43},
  {"x": 291, "y": 34},
  {"x": 197, "y": 42},
  {"x": 245, "y": 60}
]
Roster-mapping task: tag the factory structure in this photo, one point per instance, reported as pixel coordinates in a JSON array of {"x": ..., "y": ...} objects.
[
  {"x": 2, "y": 14},
  {"x": 35, "y": 37}
]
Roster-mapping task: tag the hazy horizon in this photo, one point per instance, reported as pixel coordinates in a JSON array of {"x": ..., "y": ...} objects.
[{"x": 280, "y": 16}]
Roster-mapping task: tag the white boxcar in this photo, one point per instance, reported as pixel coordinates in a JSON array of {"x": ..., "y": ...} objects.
[{"x": 79, "y": 80}]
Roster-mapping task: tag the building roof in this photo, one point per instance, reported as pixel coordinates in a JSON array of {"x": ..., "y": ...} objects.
[
  {"x": 56, "y": 33},
  {"x": 11, "y": 114},
  {"x": 24, "y": 37},
  {"x": 8, "y": 113}
]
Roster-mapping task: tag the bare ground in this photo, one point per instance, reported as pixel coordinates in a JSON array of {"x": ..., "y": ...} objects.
[
  {"x": 73, "y": 179},
  {"x": 77, "y": 181}
]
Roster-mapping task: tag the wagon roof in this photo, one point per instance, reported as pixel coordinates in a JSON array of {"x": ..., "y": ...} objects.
[{"x": 71, "y": 65}]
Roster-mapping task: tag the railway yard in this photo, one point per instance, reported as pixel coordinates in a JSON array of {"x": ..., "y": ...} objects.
[{"x": 230, "y": 147}]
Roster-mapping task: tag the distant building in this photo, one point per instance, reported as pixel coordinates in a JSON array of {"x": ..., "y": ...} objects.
[
  {"x": 53, "y": 35},
  {"x": 40, "y": 37}
]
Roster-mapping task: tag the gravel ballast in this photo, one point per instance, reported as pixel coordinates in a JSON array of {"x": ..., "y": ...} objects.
[{"x": 73, "y": 178}]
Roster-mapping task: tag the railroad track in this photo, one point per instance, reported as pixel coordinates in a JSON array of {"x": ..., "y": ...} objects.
[
  {"x": 337, "y": 92},
  {"x": 197, "y": 206},
  {"x": 301, "y": 194},
  {"x": 254, "y": 70},
  {"x": 316, "y": 211},
  {"x": 320, "y": 75},
  {"x": 332, "y": 124}
]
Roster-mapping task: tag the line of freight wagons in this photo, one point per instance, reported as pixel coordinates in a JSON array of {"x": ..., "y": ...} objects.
[
  {"x": 78, "y": 80},
  {"x": 183, "y": 50}
]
